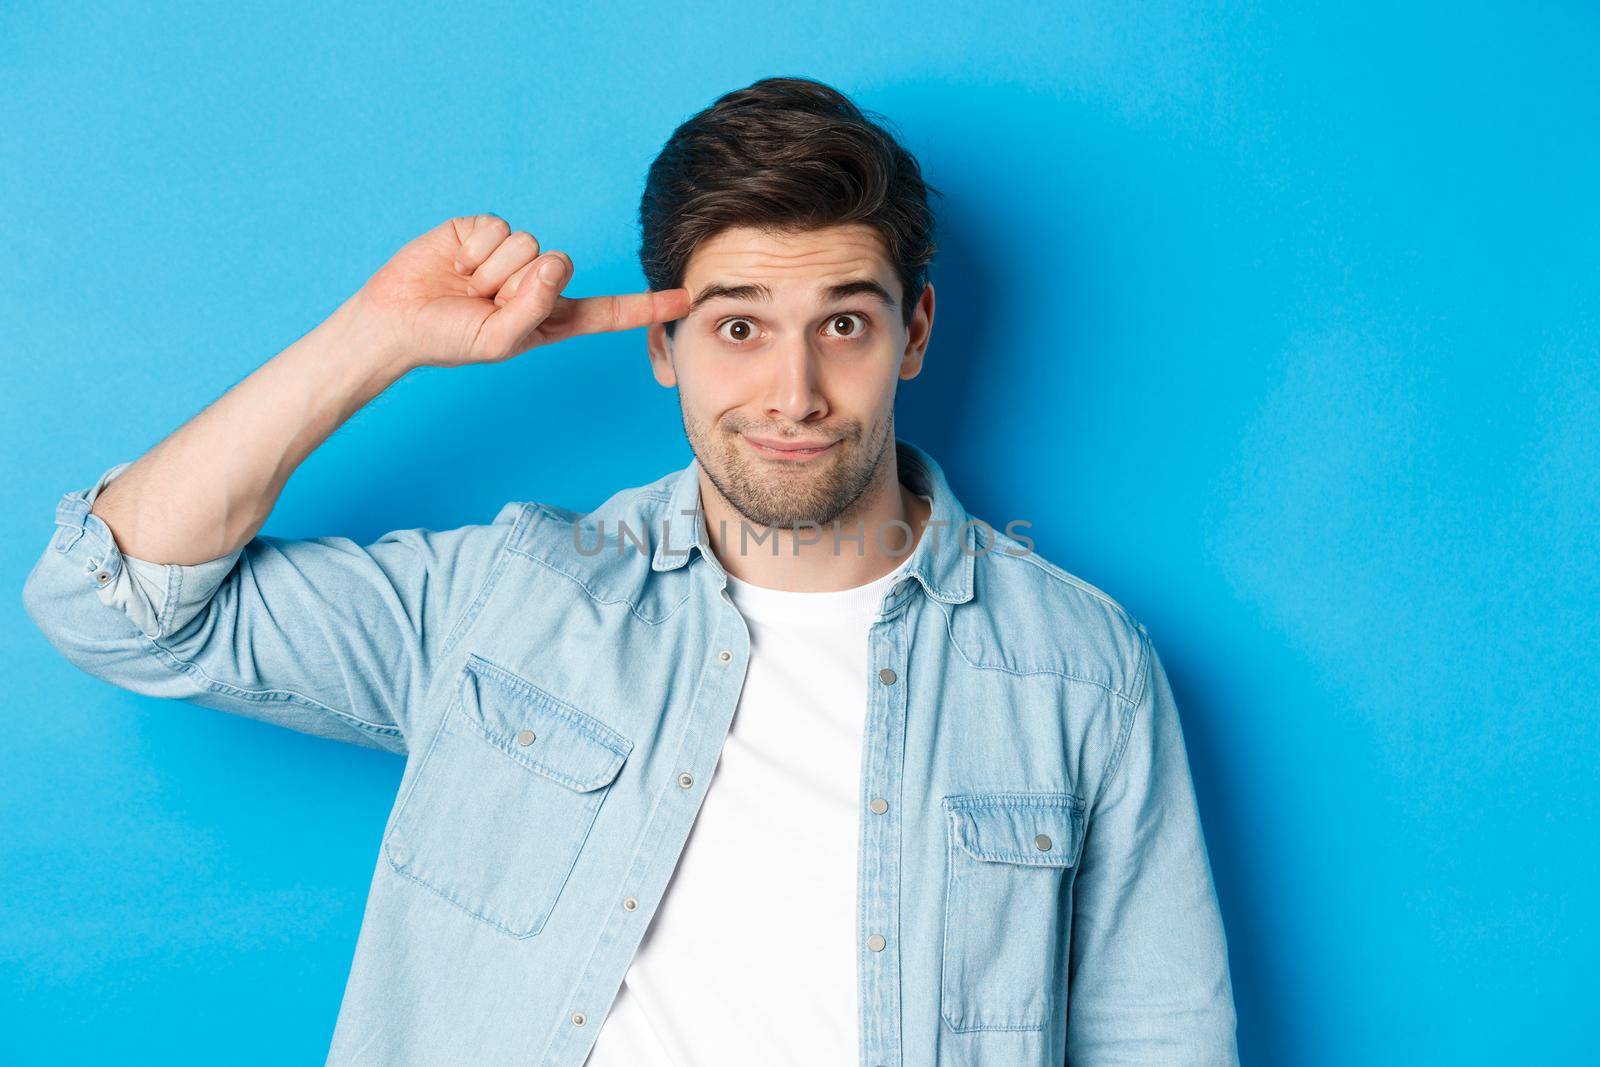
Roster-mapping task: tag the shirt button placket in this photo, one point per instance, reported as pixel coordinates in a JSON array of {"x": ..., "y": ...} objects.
[
  {"x": 880, "y": 910},
  {"x": 685, "y": 779}
]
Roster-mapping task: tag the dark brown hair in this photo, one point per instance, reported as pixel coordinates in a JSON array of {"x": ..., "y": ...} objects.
[{"x": 784, "y": 154}]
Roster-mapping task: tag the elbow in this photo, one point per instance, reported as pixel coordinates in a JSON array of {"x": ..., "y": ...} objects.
[
  {"x": 66, "y": 608},
  {"x": 48, "y": 603}
]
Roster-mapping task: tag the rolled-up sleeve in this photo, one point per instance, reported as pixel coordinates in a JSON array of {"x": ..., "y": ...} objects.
[
  {"x": 1149, "y": 980},
  {"x": 320, "y": 635},
  {"x": 158, "y": 597}
]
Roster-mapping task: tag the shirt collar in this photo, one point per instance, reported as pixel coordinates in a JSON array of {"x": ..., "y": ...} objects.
[{"x": 942, "y": 561}]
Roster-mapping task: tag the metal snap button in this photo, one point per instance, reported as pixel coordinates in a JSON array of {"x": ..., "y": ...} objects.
[
  {"x": 686, "y": 779},
  {"x": 630, "y": 903},
  {"x": 878, "y": 805},
  {"x": 579, "y": 1018},
  {"x": 887, "y": 676},
  {"x": 1042, "y": 843},
  {"x": 725, "y": 655},
  {"x": 103, "y": 577},
  {"x": 876, "y": 942},
  {"x": 525, "y": 737}
]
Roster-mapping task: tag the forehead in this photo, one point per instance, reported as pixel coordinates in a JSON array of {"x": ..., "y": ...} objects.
[{"x": 789, "y": 260}]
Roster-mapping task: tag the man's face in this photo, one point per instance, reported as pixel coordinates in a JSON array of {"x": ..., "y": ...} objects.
[{"x": 786, "y": 368}]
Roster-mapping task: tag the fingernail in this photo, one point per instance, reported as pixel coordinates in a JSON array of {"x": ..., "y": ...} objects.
[
  {"x": 550, "y": 270},
  {"x": 459, "y": 268}
]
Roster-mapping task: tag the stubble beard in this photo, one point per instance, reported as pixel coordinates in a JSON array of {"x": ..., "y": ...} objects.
[{"x": 766, "y": 494}]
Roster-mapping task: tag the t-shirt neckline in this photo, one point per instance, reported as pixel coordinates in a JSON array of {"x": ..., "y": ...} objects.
[{"x": 766, "y": 604}]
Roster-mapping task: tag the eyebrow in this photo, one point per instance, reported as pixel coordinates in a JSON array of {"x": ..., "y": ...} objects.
[{"x": 755, "y": 291}]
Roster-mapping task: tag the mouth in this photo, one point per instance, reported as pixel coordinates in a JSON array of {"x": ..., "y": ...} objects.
[{"x": 787, "y": 451}]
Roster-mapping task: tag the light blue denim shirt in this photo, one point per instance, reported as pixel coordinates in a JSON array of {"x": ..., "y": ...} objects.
[{"x": 1030, "y": 853}]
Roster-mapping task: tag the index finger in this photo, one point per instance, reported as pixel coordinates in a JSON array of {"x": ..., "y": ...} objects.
[{"x": 597, "y": 314}]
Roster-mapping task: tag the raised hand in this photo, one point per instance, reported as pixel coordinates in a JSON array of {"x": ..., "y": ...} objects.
[{"x": 472, "y": 290}]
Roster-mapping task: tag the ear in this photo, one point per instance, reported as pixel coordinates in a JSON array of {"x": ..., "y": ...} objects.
[
  {"x": 918, "y": 333},
  {"x": 659, "y": 345}
]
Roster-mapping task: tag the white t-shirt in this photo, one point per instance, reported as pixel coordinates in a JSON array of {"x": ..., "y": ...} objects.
[{"x": 751, "y": 957}]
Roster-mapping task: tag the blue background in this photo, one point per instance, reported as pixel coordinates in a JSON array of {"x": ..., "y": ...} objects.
[{"x": 1279, "y": 325}]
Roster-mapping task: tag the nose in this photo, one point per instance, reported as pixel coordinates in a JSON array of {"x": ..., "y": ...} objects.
[{"x": 794, "y": 394}]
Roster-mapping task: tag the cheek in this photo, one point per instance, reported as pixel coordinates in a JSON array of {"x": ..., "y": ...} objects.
[
  {"x": 711, "y": 386},
  {"x": 865, "y": 387}
]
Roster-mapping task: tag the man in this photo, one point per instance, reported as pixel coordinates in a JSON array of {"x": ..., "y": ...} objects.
[{"x": 781, "y": 758}]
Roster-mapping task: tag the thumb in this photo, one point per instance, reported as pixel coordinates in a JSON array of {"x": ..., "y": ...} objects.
[{"x": 508, "y": 328}]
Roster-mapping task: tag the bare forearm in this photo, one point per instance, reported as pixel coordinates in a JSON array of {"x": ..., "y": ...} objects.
[
  {"x": 206, "y": 488},
  {"x": 467, "y": 291}
]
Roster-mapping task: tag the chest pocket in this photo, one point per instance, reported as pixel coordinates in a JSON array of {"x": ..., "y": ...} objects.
[
  {"x": 495, "y": 816},
  {"x": 1011, "y": 858}
]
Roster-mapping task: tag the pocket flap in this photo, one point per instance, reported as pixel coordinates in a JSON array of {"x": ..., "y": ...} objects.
[
  {"x": 539, "y": 731},
  {"x": 1038, "y": 829}
]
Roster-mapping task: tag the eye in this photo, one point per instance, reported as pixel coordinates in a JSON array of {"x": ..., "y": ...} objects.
[
  {"x": 745, "y": 331},
  {"x": 854, "y": 324},
  {"x": 846, "y": 316}
]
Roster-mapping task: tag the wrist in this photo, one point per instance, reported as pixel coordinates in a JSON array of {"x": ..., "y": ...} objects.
[{"x": 357, "y": 336}]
